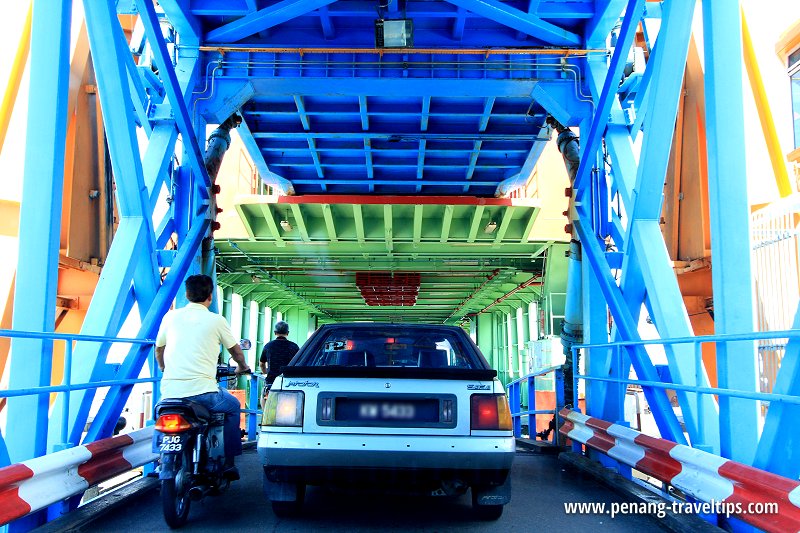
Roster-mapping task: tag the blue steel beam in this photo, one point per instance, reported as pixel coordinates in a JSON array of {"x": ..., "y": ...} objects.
[
  {"x": 264, "y": 19},
  {"x": 421, "y": 158},
  {"x": 132, "y": 254},
  {"x": 184, "y": 22},
  {"x": 362, "y": 108},
  {"x": 228, "y": 87},
  {"x": 601, "y": 24},
  {"x": 663, "y": 295},
  {"x": 281, "y": 185},
  {"x": 643, "y": 205},
  {"x": 426, "y": 111},
  {"x": 348, "y": 9},
  {"x": 666, "y": 420},
  {"x": 633, "y": 14},
  {"x": 328, "y": 28},
  {"x": 172, "y": 87},
  {"x": 39, "y": 227},
  {"x": 519, "y": 20},
  {"x": 521, "y": 178},
  {"x": 157, "y": 158},
  {"x": 533, "y": 6},
  {"x": 136, "y": 85},
  {"x": 729, "y": 215},
  {"x": 103, "y": 424},
  {"x": 459, "y": 23},
  {"x": 778, "y": 449}
]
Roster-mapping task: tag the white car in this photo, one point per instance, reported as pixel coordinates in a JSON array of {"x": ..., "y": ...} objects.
[{"x": 415, "y": 407}]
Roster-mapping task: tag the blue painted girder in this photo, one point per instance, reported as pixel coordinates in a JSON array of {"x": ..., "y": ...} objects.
[{"x": 393, "y": 122}]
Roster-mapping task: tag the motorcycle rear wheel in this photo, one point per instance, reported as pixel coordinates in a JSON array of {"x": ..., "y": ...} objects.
[{"x": 175, "y": 494}]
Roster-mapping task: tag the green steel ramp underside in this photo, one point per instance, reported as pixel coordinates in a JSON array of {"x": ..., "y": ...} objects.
[{"x": 390, "y": 258}]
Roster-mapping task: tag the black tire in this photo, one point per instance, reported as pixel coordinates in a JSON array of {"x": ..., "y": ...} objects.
[
  {"x": 485, "y": 512},
  {"x": 175, "y": 499},
  {"x": 290, "y": 509}
]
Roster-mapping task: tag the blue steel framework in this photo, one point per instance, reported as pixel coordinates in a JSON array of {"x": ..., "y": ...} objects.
[{"x": 461, "y": 113}]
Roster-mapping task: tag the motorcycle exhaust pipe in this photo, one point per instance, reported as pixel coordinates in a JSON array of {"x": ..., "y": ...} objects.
[{"x": 198, "y": 493}]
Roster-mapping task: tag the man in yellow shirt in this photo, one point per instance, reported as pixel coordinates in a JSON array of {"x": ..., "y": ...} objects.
[{"x": 187, "y": 352}]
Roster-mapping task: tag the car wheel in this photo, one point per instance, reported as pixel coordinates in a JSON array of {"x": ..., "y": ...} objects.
[{"x": 485, "y": 512}]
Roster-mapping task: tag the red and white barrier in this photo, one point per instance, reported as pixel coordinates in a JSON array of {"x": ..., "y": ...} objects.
[
  {"x": 702, "y": 475},
  {"x": 32, "y": 485}
]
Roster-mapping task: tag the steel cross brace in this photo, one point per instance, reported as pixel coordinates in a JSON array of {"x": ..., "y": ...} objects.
[
  {"x": 172, "y": 87},
  {"x": 103, "y": 424},
  {"x": 522, "y": 21},
  {"x": 591, "y": 143},
  {"x": 778, "y": 449},
  {"x": 263, "y": 19},
  {"x": 133, "y": 256},
  {"x": 646, "y": 273}
]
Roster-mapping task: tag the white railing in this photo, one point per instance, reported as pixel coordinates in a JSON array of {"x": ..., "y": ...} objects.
[{"x": 776, "y": 249}]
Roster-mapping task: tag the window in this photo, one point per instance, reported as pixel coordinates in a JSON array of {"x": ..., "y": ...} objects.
[
  {"x": 796, "y": 106},
  {"x": 392, "y": 347}
]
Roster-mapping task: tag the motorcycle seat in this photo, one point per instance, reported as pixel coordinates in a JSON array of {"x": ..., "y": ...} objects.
[{"x": 198, "y": 411}]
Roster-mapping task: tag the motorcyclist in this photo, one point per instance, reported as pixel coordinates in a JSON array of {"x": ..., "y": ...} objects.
[{"x": 187, "y": 352}]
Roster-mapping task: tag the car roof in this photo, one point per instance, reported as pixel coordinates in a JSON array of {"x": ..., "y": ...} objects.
[{"x": 373, "y": 325}]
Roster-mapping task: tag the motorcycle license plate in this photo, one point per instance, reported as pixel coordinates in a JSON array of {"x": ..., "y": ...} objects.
[{"x": 164, "y": 443}]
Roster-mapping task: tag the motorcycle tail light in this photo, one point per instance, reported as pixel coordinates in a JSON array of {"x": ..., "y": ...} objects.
[
  {"x": 490, "y": 412},
  {"x": 283, "y": 408},
  {"x": 172, "y": 423}
]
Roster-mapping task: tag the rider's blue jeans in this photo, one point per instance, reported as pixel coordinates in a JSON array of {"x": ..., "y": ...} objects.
[{"x": 223, "y": 401}]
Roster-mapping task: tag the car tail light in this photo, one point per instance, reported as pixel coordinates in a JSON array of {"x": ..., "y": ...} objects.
[
  {"x": 172, "y": 423},
  {"x": 490, "y": 411},
  {"x": 283, "y": 408}
]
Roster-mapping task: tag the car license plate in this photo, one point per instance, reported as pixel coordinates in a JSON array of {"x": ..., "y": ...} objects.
[
  {"x": 386, "y": 411},
  {"x": 164, "y": 443},
  {"x": 391, "y": 411}
]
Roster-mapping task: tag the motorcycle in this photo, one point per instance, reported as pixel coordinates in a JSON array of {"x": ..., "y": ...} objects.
[{"x": 191, "y": 445}]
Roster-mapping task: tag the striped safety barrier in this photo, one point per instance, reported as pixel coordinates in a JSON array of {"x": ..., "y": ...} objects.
[
  {"x": 33, "y": 485},
  {"x": 707, "y": 477}
]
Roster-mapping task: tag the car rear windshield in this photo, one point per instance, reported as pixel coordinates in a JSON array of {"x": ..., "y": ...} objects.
[{"x": 392, "y": 348}]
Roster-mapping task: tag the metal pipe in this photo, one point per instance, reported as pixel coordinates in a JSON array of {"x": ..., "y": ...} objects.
[
  {"x": 572, "y": 324},
  {"x": 731, "y": 393},
  {"x": 65, "y": 403},
  {"x": 533, "y": 281},
  {"x": 764, "y": 111},
  {"x": 218, "y": 143},
  {"x": 565, "y": 52},
  {"x": 32, "y": 391},
  {"x": 17, "y": 70}
]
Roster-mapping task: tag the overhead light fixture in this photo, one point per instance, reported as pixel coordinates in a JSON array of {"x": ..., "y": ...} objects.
[
  {"x": 285, "y": 225},
  {"x": 490, "y": 227},
  {"x": 394, "y": 33}
]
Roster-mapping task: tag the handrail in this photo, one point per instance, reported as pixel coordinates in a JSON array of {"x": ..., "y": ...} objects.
[
  {"x": 700, "y": 339},
  {"x": 67, "y": 386},
  {"x": 514, "y": 392},
  {"x": 20, "y": 334},
  {"x": 621, "y": 349}
]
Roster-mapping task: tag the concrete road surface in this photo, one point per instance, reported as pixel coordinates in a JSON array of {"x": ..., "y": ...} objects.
[{"x": 540, "y": 487}]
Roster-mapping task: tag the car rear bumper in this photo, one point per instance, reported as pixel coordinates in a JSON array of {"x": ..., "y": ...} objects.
[{"x": 402, "y": 452}]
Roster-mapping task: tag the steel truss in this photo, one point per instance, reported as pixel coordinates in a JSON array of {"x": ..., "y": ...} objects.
[{"x": 617, "y": 193}]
